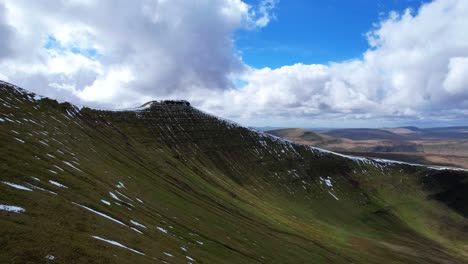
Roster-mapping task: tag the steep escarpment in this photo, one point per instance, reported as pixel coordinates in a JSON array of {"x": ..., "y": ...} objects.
[{"x": 167, "y": 182}]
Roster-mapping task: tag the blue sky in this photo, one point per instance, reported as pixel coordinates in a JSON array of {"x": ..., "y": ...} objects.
[{"x": 312, "y": 31}]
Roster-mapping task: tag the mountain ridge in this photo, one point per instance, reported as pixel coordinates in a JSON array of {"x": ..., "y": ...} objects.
[{"x": 203, "y": 189}]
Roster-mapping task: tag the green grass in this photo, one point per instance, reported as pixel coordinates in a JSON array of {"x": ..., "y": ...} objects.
[{"x": 222, "y": 192}]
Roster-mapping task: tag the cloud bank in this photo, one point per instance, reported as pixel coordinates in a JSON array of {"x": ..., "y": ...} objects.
[{"x": 120, "y": 54}]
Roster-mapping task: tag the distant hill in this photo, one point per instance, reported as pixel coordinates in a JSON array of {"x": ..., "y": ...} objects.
[
  {"x": 447, "y": 132},
  {"x": 364, "y": 134},
  {"x": 438, "y": 146},
  {"x": 297, "y": 133},
  {"x": 303, "y": 136}
]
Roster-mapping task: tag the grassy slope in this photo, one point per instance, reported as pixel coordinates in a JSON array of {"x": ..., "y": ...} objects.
[{"x": 222, "y": 192}]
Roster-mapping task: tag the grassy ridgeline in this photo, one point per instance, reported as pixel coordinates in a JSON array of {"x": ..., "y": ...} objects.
[{"x": 172, "y": 183}]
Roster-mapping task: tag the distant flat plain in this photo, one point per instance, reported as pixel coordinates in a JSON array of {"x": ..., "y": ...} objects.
[{"x": 441, "y": 146}]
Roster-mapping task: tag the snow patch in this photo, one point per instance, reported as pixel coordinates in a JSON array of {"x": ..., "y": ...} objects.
[
  {"x": 334, "y": 196},
  {"x": 58, "y": 184},
  {"x": 17, "y": 186},
  {"x": 115, "y": 197},
  {"x": 136, "y": 230},
  {"x": 12, "y": 208},
  {"x": 162, "y": 229},
  {"x": 37, "y": 98},
  {"x": 71, "y": 165},
  {"x": 42, "y": 189},
  {"x": 327, "y": 181},
  {"x": 101, "y": 214},
  {"x": 19, "y": 140},
  {"x": 137, "y": 224},
  {"x": 115, "y": 243},
  {"x": 119, "y": 193},
  {"x": 58, "y": 167}
]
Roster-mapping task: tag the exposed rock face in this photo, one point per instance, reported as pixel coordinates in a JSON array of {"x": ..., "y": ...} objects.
[{"x": 168, "y": 182}]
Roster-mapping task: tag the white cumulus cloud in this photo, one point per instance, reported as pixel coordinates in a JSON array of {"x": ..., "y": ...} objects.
[
  {"x": 117, "y": 53},
  {"x": 415, "y": 70}
]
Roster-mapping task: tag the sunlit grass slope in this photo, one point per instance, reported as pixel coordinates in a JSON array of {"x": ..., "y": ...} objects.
[{"x": 170, "y": 183}]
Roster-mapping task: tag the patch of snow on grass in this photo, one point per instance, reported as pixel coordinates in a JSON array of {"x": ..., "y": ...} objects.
[
  {"x": 43, "y": 143},
  {"x": 115, "y": 197},
  {"x": 168, "y": 254},
  {"x": 119, "y": 193},
  {"x": 333, "y": 195},
  {"x": 58, "y": 167},
  {"x": 71, "y": 165},
  {"x": 42, "y": 189},
  {"x": 137, "y": 224},
  {"x": 120, "y": 185},
  {"x": 162, "y": 229},
  {"x": 328, "y": 181},
  {"x": 115, "y": 243},
  {"x": 12, "y": 208},
  {"x": 58, "y": 184},
  {"x": 17, "y": 186},
  {"x": 101, "y": 214},
  {"x": 20, "y": 140},
  {"x": 136, "y": 230},
  {"x": 105, "y": 202}
]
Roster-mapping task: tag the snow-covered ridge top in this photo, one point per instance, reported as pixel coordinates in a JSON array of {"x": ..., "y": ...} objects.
[
  {"x": 35, "y": 97},
  {"x": 232, "y": 124},
  {"x": 147, "y": 106},
  {"x": 19, "y": 89},
  {"x": 167, "y": 102},
  {"x": 135, "y": 109},
  {"x": 371, "y": 161}
]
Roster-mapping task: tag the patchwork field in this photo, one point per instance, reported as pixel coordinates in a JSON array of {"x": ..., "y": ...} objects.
[{"x": 432, "y": 146}]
